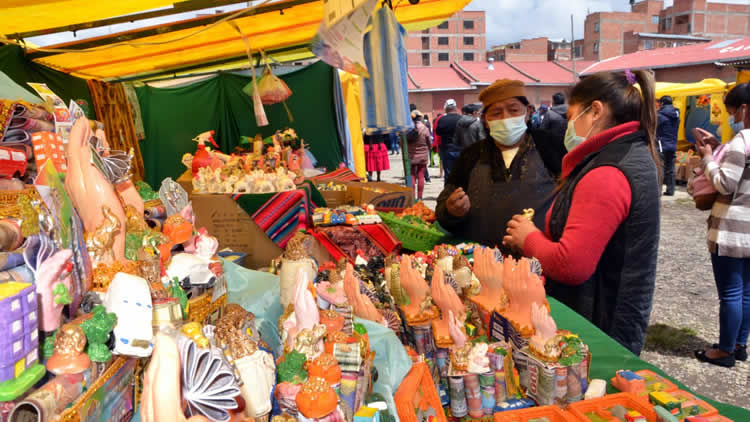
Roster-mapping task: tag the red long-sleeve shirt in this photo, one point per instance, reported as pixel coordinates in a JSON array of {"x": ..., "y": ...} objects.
[{"x": 601, "y": 202}]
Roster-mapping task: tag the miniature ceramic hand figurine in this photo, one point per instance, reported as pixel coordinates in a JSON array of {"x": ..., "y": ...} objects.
[
  {"x": 544, "y": 341},
  {"x": 489, "y": 270},
  {"x": 479, "y": 363},
  {"x": 457, "y": 330},
  {"x": 295, "y": 257},
  {"x": 420, "y": 308},
  {"x": 306, "y": 314},
  {"x": 129, "y": 297},
  {"x": 89, "y": 190},
  {"x": 68, "y": 356},
  {"x": 523, "y": 288},
  {"x": 450, "y": 305},
  {"x": 54, "y": 271},
  {"x": 361, "y": 304}
]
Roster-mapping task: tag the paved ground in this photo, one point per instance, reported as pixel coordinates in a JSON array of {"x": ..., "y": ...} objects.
[{"x": 685, "y": 297}]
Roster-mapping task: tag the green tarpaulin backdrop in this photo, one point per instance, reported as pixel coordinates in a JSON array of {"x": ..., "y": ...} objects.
[
  {"x": 173, "y": 116},
  {"x": 14, "y": 63}
]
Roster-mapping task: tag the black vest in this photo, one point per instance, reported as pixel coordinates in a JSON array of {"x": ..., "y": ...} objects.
[{"x": 617, "y": 298}]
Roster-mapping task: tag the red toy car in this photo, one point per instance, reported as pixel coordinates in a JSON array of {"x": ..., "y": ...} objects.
[{"x": 12, "y": 161}]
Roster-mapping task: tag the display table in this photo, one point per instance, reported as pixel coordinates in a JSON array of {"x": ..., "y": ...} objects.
[{"x": 608, "y": 356}]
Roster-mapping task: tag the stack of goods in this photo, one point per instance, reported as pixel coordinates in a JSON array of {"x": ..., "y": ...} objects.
[
  {"x": 274, "y": 167},
  {"x": 345, "y": 215},
  {"x": 415, "y": 227},
  {"x": 23, "y": 127}
]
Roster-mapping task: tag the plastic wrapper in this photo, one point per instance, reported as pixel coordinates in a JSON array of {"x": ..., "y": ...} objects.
[{"x": 271, "y": 88}]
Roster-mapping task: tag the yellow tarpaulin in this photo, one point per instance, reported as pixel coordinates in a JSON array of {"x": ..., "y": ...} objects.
[
  {"x": 33, "y": 15},
  {"x": 296, "y": 26}
]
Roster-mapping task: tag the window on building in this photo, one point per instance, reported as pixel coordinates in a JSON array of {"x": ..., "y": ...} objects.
[
  {"x": 668, "y": 23},
  {"x": 443, "y": 25},
  {"x": 596, "y": 46},
  {"x": 425, "y": 59},
  {"x": 443, "y": 57},
  {"x": 468, "y": 40},
  {"x": 426, "y": 31},
  {"x": 425, "y": 43},
  {"x": 578, "y": 52},
  {"x": 596, "y": 26},
  {"x": 655, "y": 19},
  {"x": 468, "y": 57},
  {"x": 468, "y": 24},
  {"x": 442, "y": 40},
  {"x": 501, "y": 58},
  {"x": 648, "y": 45}
]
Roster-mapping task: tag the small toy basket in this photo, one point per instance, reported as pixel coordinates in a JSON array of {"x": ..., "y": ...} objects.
[{"x": 412, "y": 237}]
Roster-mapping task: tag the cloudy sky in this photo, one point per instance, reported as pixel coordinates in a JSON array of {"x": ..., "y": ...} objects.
[
  {"x": 512, "y": 20},
  {"x": 507, "y": 20}
]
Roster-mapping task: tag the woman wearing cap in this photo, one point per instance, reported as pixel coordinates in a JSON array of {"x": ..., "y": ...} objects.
[
  {"x": 499, "y": 176},
  {"x": 601, "y": 236}
]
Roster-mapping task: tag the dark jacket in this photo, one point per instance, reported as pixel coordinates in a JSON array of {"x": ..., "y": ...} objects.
[
  {"x": 668, "y": 125},
  {"x": 419, "y": 145},
  {"x": 618, "y": 296},
  {"x": 497, "y": 193},
  {"x": 446, "y": 128},
  {"x": 468, "y": 131},
  {"x": 556, "y": 119}
]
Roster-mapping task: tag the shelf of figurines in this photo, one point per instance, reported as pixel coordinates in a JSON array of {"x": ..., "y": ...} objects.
[{"x": 478, "y": 330}]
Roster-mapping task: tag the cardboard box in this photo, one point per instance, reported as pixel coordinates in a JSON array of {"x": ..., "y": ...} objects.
[
  {"x": 385, "y": 196},
  {"x": 186, "y": 181},
  {"x": 336, "y": 198},
  {"x": 233, "y": 227}
]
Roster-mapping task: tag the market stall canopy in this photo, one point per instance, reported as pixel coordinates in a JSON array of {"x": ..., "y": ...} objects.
[
  {"x": 283, "y": 29},
  {"x": 704, "y": 87}
]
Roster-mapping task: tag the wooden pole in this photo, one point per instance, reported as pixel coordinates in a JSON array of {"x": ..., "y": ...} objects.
[{"x": 572, "y": 49}]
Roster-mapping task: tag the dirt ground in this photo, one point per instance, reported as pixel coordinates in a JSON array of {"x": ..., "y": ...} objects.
[{"x": 686, "y": 307}]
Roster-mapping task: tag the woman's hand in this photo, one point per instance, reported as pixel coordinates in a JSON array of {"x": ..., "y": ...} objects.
[
  {"x": 519, "y": 228},
  {"x": 458, "y": 204},
  {"x": 706, "y": 151}
]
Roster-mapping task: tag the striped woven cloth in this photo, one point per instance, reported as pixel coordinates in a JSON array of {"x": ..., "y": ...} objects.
[
  {"x": 385, "y": 94},
  {"x": 341, "y": 175},
  {"x": 283, "y": 215}
]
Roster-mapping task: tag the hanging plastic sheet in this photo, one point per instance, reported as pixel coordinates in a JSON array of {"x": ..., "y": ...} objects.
[{"x": 385, "y": 95}]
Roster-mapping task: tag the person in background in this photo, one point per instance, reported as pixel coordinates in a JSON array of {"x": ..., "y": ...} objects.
[
  {"x": 394, "y": 143},
  {"x": 666, "y": 134},
  {"x": 446, "y": 128},
  {"x": 499, "y": 176},
  {"x": 534, "y": 121},
  {"x": 436, "y": 140},
  {"x": 601, "y": 237},
  {"x": 543, "y": 109},
  {"x": 555, "y": 119},
  {"x": 728, "y": 232},
  {"x": 418, "y": 140},
  {"x": 376, "y": 154},
  {"x": 469, "y": 127},
  {"x": 426, "y": 121}
]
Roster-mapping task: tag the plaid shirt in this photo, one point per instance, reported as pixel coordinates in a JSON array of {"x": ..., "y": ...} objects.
[{"x": 729, "y": 223}]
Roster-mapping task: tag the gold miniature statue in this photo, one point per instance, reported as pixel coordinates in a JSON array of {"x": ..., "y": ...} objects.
[
  {"x": 529, "y": 213},
  {"x": 101, "y": 241}
]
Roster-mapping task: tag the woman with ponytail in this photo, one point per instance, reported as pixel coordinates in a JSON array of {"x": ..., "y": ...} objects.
[{"x": 599, "y": 246}]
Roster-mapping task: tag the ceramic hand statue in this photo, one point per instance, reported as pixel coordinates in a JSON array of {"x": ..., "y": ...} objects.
[
  {"x": 126, "y": 189},
  {"x": 420, "y": 308},
  {"x": 489, "y": 270},
  {"x": 524, "y": 288},
  {"x": 450, "y": 306},
  {"x": 306, "y": 314},
  {"x": 53, "y": 272},
  {"x": 457, "y": 330},
  {"x": 543, "y": 343},
  {"x": 89, "y": 190},
  {"x": 361, "y": 304}
]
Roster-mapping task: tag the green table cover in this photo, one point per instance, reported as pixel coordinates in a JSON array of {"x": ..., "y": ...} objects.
[{"x": 608, "y": 356}]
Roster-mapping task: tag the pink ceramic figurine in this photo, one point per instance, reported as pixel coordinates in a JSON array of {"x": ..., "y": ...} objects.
[
  {"x": 490, "y": 273},
  {"x": 361, "y": 304},
  {"x": 306, "y": 314},
  {"x": 51, "y": 273},
  {"x": 89, "y": 190},
  {"x": 457, "y": 331},
  {"x": 126, "y": 189},
  {"x": 543, "y": 343},
  {"x": 524, "y": 288},
  {"x": 450, "y": 306},
  {"x": 420, "y": 308}
]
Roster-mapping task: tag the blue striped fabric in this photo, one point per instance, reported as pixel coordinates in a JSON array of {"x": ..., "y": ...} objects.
[{"x": 385, "y": 95}]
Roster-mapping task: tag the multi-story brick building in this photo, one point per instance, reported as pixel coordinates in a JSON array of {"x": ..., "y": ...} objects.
[
  {"x": 648, "y": 24},
  {"x": 536, "y": 50},
  {"x": 460, "y": 38}
]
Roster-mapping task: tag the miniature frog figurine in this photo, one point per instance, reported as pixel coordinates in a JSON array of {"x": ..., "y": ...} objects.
[
  {"x": 68, "y": 356},
  {"x": 449, "y": 303},
  {"x": 97, "y": 330},
  {"x": 544, "y": 341},
  {"x": 489, "y": 269}
]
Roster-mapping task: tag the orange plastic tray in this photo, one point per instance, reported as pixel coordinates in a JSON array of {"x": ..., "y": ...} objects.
[
  {"x": 600, "y": 405},
  {"x": 553, "y": 413},
  {"x": 689, "y": 400}
]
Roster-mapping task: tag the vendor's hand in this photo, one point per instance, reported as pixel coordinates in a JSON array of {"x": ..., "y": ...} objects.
[
  {"x": 458, "y": 204},
  {"x": 705, "y": 151},
  {"x": 161, "y": 385},
  {"x": 519, "y": 228}
]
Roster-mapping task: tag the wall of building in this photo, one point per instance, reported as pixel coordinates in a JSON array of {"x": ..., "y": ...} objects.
[
  {"x": 689, "y": 74},
  {"x": 457, "y": 36}
]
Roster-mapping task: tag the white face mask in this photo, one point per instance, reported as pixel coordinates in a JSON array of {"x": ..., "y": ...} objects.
[
  {"x": 508, "y": 132},
  {"x": 571, "y": 139}
]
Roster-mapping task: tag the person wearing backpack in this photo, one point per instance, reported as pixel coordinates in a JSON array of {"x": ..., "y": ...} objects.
[
  {"x": 729, "y": 231},
  {"x": 418, "y": 140}
]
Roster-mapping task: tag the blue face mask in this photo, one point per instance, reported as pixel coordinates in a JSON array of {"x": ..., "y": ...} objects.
[
  {"x": 737, "y": 126},
  {"x": 571, "y": 139}
]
